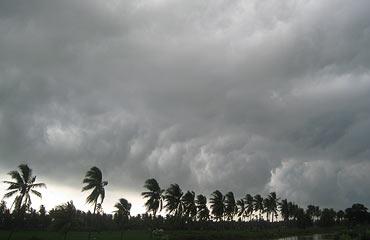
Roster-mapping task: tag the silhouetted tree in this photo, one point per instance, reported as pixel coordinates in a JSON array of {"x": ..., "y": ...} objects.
[
  {"x": 203, "y": 211},
  {"x": 230, "y": 206},
  {"x": 122, "y": 213},
  {"x": 154, "y": 196},
  {"x": 64, "y": 217},
  {"x": 173, "y": 200},
  {"x": 249, "y": 202},
  {"x": 22, "y": 186},
  {"x": 258, "y": 205},
  {"x": 94, "y": 181},
  {"x": 188, "y": 202},
  {"x": 241, "y": 209},
  {"x": 217, "y": 201}
]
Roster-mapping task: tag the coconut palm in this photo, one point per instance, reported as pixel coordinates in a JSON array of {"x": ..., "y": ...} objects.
[
  {"x": 23, "y": 186},
  {"x": 217, "y": 201},
  {"x": 122, "y": 213},
  {"x": 173, "y": 200},
  {"x": 188, "y": 202},
  {"x": 154, "y": 196},
  {"x": 284, "y": 209},
  {"x": 94, "y": 181},
  {"x": 230, "y": 206},
  {"x": 64, "y": 217},
  {"x": 266, "y": 208},
  {"x": 273, "y": 205},
  {"x": 241, "y": 208},
  {"x": 258, "y": 205},
  {"x": 249, "y": 202},
  {"x": 203, "y": 211}
]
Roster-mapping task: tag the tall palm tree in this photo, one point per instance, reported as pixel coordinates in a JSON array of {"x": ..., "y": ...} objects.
[
  {"x": 154, "y": 196},
  {"x": 249, "y": 202},
  {"x": 230, "y": 206},
  {"x": 203, "y": 211},
  {"x": 94, "y": 181},
  {"x": 217, "y": 201},
  {"x": 188, "y": 201},
  {"x": 23, "y": 186},
  {"x": 273, "y": 205},
  {"x": 173, "y": 200},
  {"x": 258, "y": 205},
  {"x": 241, "y": 208},
  {"x": 267, "y": 208},
  {"x": 122, "y": 213}
]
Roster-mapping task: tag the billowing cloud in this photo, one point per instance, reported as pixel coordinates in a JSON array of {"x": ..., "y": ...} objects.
[{"x": 250, "y": 96}]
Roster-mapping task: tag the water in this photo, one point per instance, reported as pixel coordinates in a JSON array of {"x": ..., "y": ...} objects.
[{"x": 311, "y": 237}]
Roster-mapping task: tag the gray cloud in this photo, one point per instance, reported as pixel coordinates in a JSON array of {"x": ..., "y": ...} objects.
[{"x": 243, "y": 96}]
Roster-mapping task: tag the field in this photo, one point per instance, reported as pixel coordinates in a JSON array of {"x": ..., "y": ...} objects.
[{"x": 176, "y": 235}]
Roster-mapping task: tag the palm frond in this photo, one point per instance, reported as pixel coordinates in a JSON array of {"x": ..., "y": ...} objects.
[
  {"x": 9, "y": 194},
  {"x": 37, "y": 193},
  {"x": 16, "y": 176}
]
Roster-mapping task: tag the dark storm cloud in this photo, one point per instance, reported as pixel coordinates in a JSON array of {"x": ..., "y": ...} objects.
[{"x": 243, "y": 96}]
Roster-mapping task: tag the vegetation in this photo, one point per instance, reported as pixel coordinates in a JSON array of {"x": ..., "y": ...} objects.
[{"x": 183, "y": 215}]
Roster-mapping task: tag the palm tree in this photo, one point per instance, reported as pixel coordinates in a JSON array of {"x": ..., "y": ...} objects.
[
  {"x": 173, "y": 199},
  {"x": 230, "y": 206},
  {"x": 267, "y": 207},
  {"x": 201, "y": 203},
  {"x": 258, "y": 205},
  {"x": 217, "y": 205},
  {"x": 154, "y": 196},
  {"x": 122, "y": 213},
  {"x": 241, "y": 208},
  {"x": 273, "y": 205},
  {"x": 94, "y": 181},
  {"x": 284, "y": 210},
  {"x": 64, "y": 216},
  {"x": 23, "y": 185},
  {"x": 249, "y": 202},
  {"x": 188, "y": 201}
]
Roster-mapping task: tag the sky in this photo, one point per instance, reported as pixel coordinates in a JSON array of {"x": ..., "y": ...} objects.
[{"x": 244, "y": 96}]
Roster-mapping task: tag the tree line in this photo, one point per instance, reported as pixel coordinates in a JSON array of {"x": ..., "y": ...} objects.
[{"x": 179, "y": 210}]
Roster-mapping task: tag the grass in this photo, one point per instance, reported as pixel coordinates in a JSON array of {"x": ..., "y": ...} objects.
[
  {"x": 171, "y": 235},
  {"x": 47, "y": 235}
]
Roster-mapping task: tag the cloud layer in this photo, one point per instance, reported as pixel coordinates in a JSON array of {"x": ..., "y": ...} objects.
[{"x": 252, "y": 96}]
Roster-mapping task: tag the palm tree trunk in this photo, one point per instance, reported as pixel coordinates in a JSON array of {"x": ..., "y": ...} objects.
[
  {"x": 65, "y": 235},
  {"x": 89, "y": 236}
]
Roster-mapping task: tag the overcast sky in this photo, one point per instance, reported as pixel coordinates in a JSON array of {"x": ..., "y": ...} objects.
[{"x": 244, "y": 96}]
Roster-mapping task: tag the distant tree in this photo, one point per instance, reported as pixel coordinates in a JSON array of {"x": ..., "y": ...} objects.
[
  {"x": 64, "y": 217},
  {"x": 230, "y": 206},
  {"x": 327, "y": 217},
  {"x": 357, "y": 214},
  {"x": 217, "y": 201},
  {"x": 188, "y": 202},
  {"x": 241, "y": 208},
  {"x": 154, "y": 196},
  {"x": 273, "y": 205},
  {"x": 249, "y": 202},
  {"x": 94, "y": 181},
  {"x": 203, "y": 211},
  {"x": 284, "y": 210},
  {"x": 340, "y": 216},
  {"x": 267, "y": 208},
  {"x": 310, "y": 211},
  {"x": 122, "y": 213},
  {"x": 173, "y": 200},
  {"x": 23, "y": 186},
  {"x": 258, "y": 205}
]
